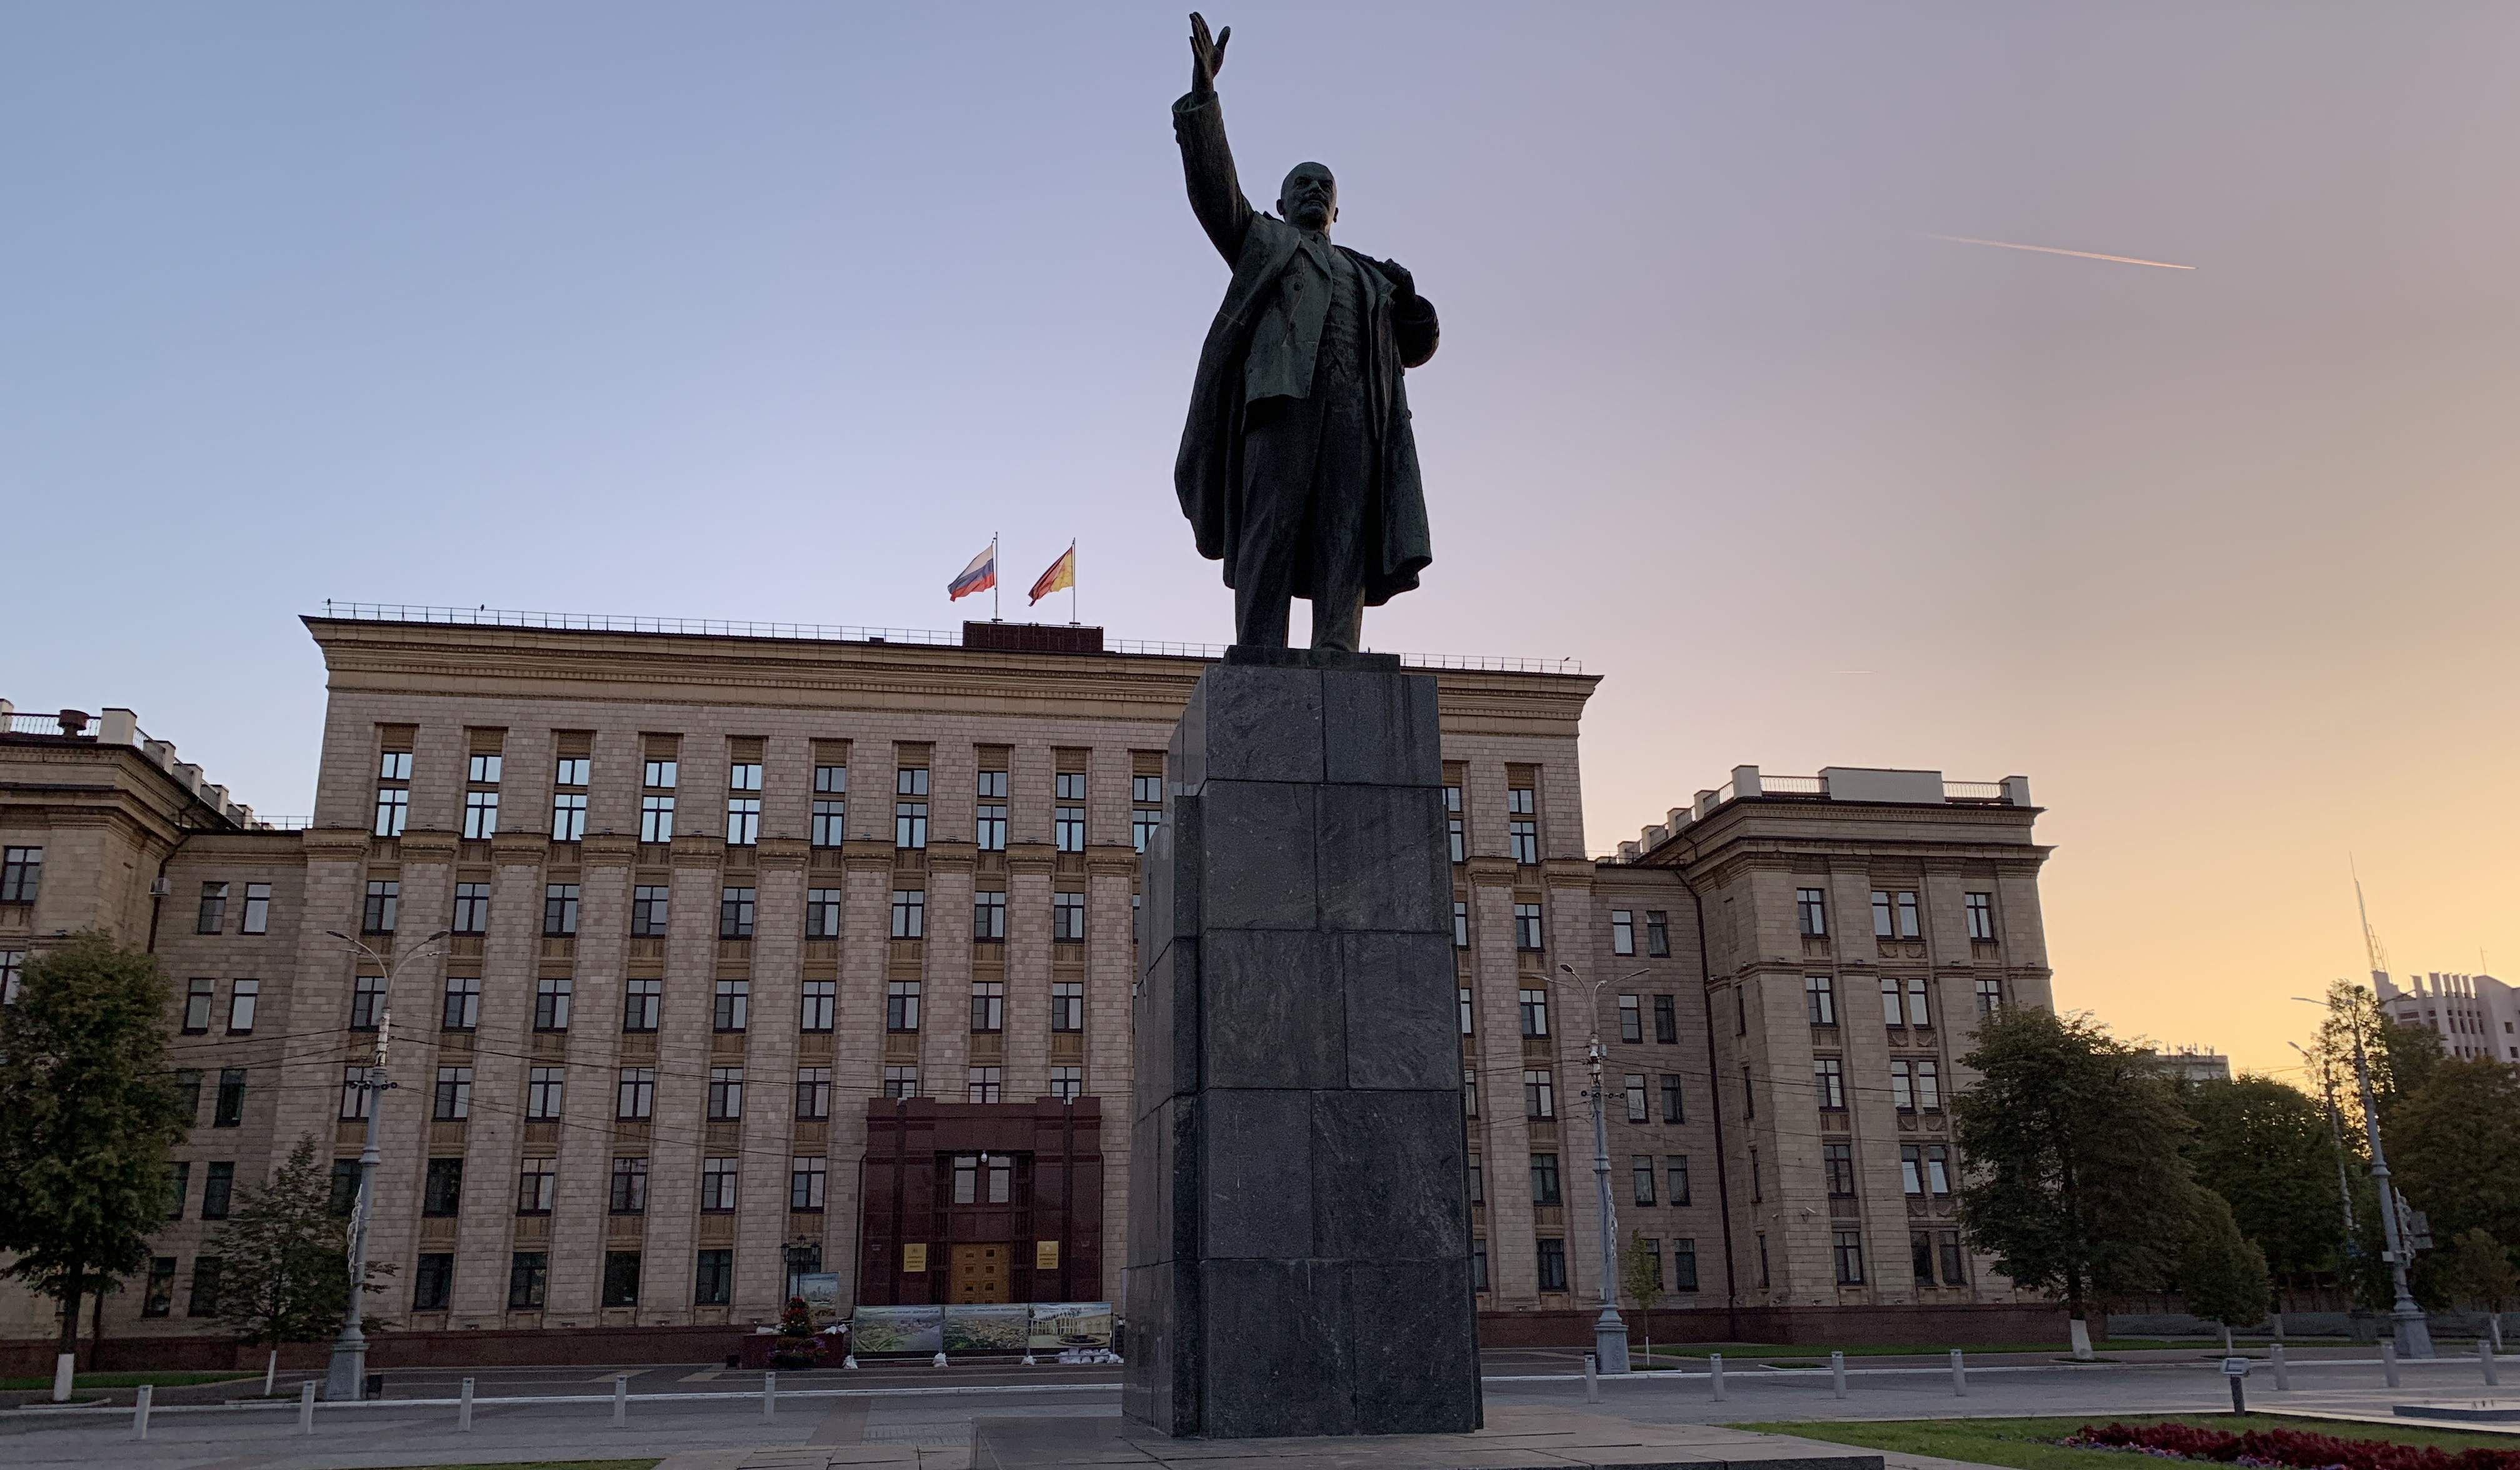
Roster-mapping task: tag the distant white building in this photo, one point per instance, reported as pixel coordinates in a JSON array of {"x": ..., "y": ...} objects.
[
  {"x": 2189, "y": 1064},
  {"x": 2474, "y": 1015}
]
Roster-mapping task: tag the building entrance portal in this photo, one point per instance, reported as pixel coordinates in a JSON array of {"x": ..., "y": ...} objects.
[{"x": 979, "y": 1273}]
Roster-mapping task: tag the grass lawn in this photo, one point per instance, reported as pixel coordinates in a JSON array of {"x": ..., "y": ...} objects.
[
  {"x": 1818, "y": 1352},
  {"x": 125, "y": 1380},
  {"x": 2031, "y": 1444}
]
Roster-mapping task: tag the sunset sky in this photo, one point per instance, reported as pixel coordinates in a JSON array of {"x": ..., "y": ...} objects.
[{"x": 779, "y": 311}]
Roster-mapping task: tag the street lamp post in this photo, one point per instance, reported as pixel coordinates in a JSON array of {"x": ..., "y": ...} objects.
[
  {"x": 2407, "y": 1324},
  {"x": 347, "y": 1380},
  {"x": 1610, "y": 1330}
]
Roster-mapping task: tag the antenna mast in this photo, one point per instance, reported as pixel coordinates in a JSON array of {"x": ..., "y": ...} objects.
[{"x": 2371, "y": 950}]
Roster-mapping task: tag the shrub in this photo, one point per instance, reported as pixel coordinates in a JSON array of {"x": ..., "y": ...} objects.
[{"x": 2286, "y": 1448}]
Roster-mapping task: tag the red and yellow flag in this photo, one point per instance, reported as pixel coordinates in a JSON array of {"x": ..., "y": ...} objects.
[{"x": 1061, "y": 574}]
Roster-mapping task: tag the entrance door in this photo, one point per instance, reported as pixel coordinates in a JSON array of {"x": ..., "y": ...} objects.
[{"x": 979, "y": 1273}]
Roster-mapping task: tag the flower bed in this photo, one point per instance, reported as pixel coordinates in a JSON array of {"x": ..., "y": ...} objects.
[{"x": 2285, "y": 1448}]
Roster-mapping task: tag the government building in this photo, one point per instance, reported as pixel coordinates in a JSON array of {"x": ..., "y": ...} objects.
[{"x": 704, "y": 957}]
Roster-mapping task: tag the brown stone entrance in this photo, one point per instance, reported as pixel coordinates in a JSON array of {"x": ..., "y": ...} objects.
[
  {"x": 979, "y": 1273},
  {"x": 982, "y": 1202}
]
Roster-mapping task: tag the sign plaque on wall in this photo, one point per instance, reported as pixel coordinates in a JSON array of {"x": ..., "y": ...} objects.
[
  {"x": 1045, "y": 1255},
  {"x": 914, "y": 1258}
]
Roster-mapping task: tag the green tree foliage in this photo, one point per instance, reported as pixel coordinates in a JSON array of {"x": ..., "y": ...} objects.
[
  {"x": 2485, "y": 1274},
  {"x": 2400, "y": 1058},
  {"x": 2075, "y": 1182},
  {"x": 799, "y": 1346},
  {"x": 2454, "y": 1148},
  {"x": 2222, "y": 1273},
  {"x": 87, "y": 1115},
  {"x": 287, "y": 1257},
  {"x": 2267, "y": 1150},
  {"x": 1642, "y": 1264}
]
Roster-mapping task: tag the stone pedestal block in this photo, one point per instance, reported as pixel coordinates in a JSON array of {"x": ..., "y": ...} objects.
[{"x": 1298, "y": 1218}]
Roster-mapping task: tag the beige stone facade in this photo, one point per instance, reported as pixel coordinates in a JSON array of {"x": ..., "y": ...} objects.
[{"x": 413, "y": 706}]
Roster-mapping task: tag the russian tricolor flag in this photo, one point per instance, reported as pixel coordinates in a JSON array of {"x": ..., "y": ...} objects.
[{"x": 979, "y": 576}]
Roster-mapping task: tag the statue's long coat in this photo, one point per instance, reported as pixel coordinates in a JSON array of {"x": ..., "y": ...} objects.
[{"x": 1208, "y": 472}]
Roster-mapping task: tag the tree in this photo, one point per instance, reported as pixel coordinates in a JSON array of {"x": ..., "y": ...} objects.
[
  {"x": 1642, "y": 1264},
  {"x": 2398, "y": 1058},
  {"x": 2486, "y": 1277},
  {"x": 2222, "y": 1273},
  {"x": 798, "y": 1345},
  {"x": 2454, "y": 1148},
  {"x": 2267, "y": 1149},
  {"x": 87, "y": 1115},
  {"x": 287, "y": 1258},
  {"x": 2074, "y": 1181}
]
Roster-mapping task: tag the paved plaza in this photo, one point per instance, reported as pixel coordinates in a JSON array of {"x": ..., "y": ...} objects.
[{"x": 917, "y": 1416}]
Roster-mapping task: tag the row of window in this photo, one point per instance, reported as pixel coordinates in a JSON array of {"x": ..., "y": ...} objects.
[
  {"x": 1522, "y": 827},
  {"x": 642, "y": 1002},
  {"x": 1897, "y": 913},
  {"x": 254, "y": 918},
  {"x": 738, "y": 912},
  {"x": 1904, "y": 1001},
  {"x": 1914, "y": 1084},
  {"x": 634, "y": 1090},
  {"x": 537, "y": 1183}
]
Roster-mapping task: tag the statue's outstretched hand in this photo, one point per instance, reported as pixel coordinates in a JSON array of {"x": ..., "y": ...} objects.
[{"x": 1207, "y": 55}]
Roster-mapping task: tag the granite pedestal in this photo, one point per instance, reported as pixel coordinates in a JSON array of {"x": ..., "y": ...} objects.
[{"x": 1298, "y": 1210}]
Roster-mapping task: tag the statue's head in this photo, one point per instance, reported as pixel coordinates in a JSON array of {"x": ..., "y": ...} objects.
[{"x": 1309, "y": 199}]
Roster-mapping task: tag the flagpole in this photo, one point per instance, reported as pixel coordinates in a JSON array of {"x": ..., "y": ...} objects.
[
  {"x": 1071, "y": 584},
  {"x": 993, "y": 576}
]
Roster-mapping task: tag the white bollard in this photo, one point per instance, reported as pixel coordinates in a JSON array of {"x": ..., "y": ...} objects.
[
  {"x": 65, "y": 1368},
  {"x": 1591, "y": 1379},
  {"x": 1715, "y": 1374},
  {"x": 1959, "y": 1375},
  {"x": 464, "y": 1408},
  {"x": 621, "y": 1398},
  {"x": 770, "y": 1396},
  {"x": 140, "y": 1413},
  {"x": 849, "y": 1360},
  {"x": 306, "y": 1407},
  {"x": 1837, "y": 1374},
  {"x": 2485, "y": 1356},
  {"x": 2389, "y": 1361},
  {"x": 2283, "y": 1375}
]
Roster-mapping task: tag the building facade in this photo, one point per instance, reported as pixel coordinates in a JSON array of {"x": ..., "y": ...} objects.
[
  {"x": 2474, "y": 1015},
  {"x": 706, "y": 958}
]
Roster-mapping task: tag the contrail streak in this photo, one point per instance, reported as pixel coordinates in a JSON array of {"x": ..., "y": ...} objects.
[{"x": 2006, "y": 245}]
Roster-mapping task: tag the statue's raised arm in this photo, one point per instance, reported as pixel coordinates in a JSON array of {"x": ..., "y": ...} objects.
[
  {"x": 1207, "y": 163},
  {"x": 1207, "y": 55}
]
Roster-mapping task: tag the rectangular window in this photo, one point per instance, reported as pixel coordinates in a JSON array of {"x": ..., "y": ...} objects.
[
  {"x": 1837, "y": 1165},
  {"x": 1938, "y": 1171},
  {"x": 1526, "y": 926},
  {"x": 528, "y": 1273},
  {"x": 1534, "y": 1003},
  {"x": 1543, "y": 1179},
  {"x": 536, "y": 1181},
  {"x": 733, "y": 1008},
  {"x": 1631, "y": 1020},
  {"x": 805, "y": 1180},
  {"x": 432, "y": 1281},
  {"x": 901, "y": 1005},
  {"x": 1684, "y": 1263},
  {"x": 636, "y": 1100},
  {"x": 1929, "y": 1085},
  {"x": 744, "y": 776},
  {"x": 480, "y": 816},
  {"x": 218, "y": 1190},
  {"x": 1917, "y": 1014},
  {"x": 453, "y": 1101},
  {"x": 830, "y": 781},
  {"x": 1847, "y": 1247},
  {"x": 734, "y": 913},
  {"x": 816, "y": 1003},
  {"x": 831, "y": 823},
  {"x": 1479, "y": 1265},
  {"x": 571, "y": 770},
  {"x": 1067, "y": 1083},
  {"x": 366, "y": 1003},
  {"x": 1652, "y": 1250},
  {"x": 13, "y": 964},
  {"x": 1666, "y": 1020},
  {"x": 629, "y": 1187},
  {"x": 910, "y": 817},
  {"x": 1623, "y": 931},
  {"x": 483, "y": 769},
  {"x": 551, "y": 1003},
  {"x": 1637, "y": 1111},
  {"x": 718, "y": 1181},
  {"x": 1911, "y": 1173},
  {"x": 1538, "y": 1093},
  {"x": 1452, "y": 823},
  {"x": 621, "y": 1278},
  {"x": 909, "y": 914},
  {"x": 1671, "y": 1104},
  {"x": 1460, "y": 924},
  {"x": 1749, "y": 1096},
  {"x": 1479, "y": 1181},
  {"x": 725, "y": 1093},
  {"x": 1470, "y": 1092},
  {"x": 1067, "y": 917},
  {"x": 1890, "y": 1015},
  {"x": 1980, "y": 908},
  {"x": 560, "y": 911},
  {"x": 1468, "y": 1013},
  {"x": 393, "y": 809},
  {"x": 542, "y": 1089},
  {"x": 821, "y": 913},
  {"x": 649, "y": 907},
  {"x": 257, "y": 918},
  {"x": 988, "y": 915},
  {"x": 1954, "y": 1264},
  {"x": 569, "y": 816},
  {"x": 229, "y": 1110},
  {"x": 1902, "y": 1093},
  {"x": 472, "y": 908},
  {"x": 463, "y": 1008},
  {"x": 243, "y": 998},
  {"x": 206, "y": 1270},
  {"x": 1909, "y": 917},
  {"x": 441, "y": 1191},
  {"x": 214, "y": 909},
  {"x": 812, "y": 1094},
  {"x": 1523, "y": 837},
  {"x": 1551, "y": 1264},
  {"x": 1921, "y": 1252},
  {"x": 988, "y": 1005},
  {"x": 1810, "y": 912},
  {"x": 744, "y": 822},
  {"x": 1990, "y": 997},
  {"x": 188, "y": 1093},
  {"x": 662, "y": 776},
  {"x": 1067, "y": 1006},
  {"x": 379, "y": 917},
  {"x": 1883, "y": 925},
  {"x": 356, "y": 1096},
  {"x": 1820, "y": 1000},
  {"x": 640, "y": 1000},
  {"x": 1828, "y": 1077},
  {"x": 655, "y": 818},
  {"x": 982, "y": 1084},
  {"x": 1143, "y": 823},
  {"x": 713, "y": 1280},
  {"x": 1675, "y": 1173},
  {"x": 1641, "y": 1177},
  {"x": 1067, "y": 827},
  {"x": 22, "y": 874},
  {"x": 901, "y": 1081},
  {"x": 160, "y": 1296}
]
